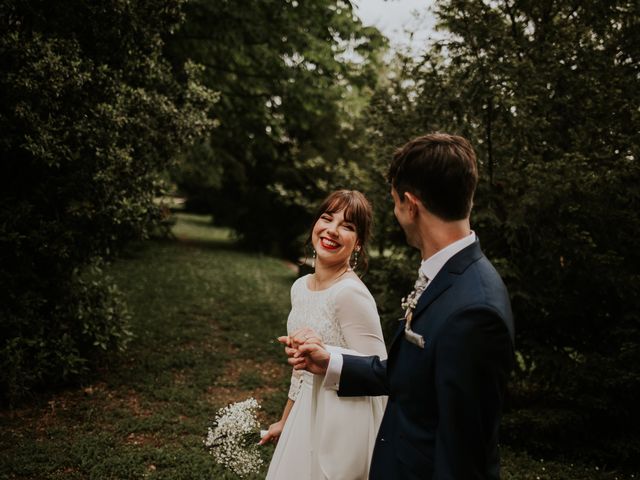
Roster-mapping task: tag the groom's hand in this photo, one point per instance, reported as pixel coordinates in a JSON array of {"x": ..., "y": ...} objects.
[
  {"x": 306, "y": 351},
  {"x": 311, "y": 357}
]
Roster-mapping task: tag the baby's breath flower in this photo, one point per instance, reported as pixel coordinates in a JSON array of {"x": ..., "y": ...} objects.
[
  {"x": 230, "y": 440},
  {"x": 410, "y": 301}
]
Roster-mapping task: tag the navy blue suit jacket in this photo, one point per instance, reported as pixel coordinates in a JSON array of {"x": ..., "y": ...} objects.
[{"x": 445, "y": 401}]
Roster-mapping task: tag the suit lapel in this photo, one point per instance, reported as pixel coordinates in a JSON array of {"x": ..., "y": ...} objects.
[
  {"x": 438, "y": 285},
  {"x": 443, "y": 280},
  {"x": 398, "y": 333}
]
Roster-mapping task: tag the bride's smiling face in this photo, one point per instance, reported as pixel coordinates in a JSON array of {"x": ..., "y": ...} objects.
[{"x": 334, "y": 238}]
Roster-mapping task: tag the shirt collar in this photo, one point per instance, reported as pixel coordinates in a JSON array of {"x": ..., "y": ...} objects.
[{"x": 432, "y": 265}]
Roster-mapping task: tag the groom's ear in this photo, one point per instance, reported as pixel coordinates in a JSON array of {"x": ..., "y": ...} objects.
[{"x": 413, "y": 201}]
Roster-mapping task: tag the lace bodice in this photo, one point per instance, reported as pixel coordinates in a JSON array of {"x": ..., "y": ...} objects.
[
  {"x": 316, "y": 310},
  {"x": 344, "y": 315}
]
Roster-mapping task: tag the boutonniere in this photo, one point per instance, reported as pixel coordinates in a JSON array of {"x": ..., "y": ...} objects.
[{"x": 409, "y": 305}]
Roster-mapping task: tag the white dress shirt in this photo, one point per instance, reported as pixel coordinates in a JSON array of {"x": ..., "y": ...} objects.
[{"x": 430, "y": 268}]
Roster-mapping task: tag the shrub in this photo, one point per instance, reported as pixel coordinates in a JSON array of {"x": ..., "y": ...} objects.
[{"x": 91, "y": 114}]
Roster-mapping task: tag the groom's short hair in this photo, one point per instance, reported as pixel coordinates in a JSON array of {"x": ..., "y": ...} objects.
[{"x": 441, "y": 170}]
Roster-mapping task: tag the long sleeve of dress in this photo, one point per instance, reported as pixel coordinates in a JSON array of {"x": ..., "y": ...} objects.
[
  {"x": 296, "y": 383},
  {"x": 359, "y": 321},
  {"x": 296, "y": 375}
]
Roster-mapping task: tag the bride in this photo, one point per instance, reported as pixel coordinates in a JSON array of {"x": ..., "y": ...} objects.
[{"x": 320, "y": 435}]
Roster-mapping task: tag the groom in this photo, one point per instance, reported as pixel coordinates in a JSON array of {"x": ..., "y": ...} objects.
[{"x": 450, "y": 359}]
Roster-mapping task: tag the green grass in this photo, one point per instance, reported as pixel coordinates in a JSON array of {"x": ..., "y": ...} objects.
[{"x": 205, "y": 317}]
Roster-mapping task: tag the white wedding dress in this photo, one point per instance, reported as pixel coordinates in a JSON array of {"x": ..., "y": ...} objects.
[{"x": 327, "y": 437}]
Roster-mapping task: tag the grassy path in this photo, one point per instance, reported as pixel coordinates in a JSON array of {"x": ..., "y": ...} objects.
[{"x": 205, "y": 319}]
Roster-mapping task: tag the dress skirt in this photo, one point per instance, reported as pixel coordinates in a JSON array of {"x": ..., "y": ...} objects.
[{"x": 326, "y": 437}]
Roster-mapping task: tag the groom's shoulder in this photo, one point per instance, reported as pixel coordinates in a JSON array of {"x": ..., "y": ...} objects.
[{"x": 481, "y": 284}]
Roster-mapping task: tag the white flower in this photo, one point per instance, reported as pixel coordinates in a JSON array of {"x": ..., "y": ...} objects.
[
  {"x": 409, "y": 305},
  {"x": 230, "y": 440},
  {"x": 410, "y": 301}
]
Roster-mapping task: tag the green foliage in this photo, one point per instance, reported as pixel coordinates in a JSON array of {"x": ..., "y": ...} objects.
[
  {"x": 291, "y": 77},
  {"x": 548, "y": 93},
  {"x": 389, "y": 279},
  {"x": 88, "y": 319},
  {"x": 203, "y": 336},
  {"x": 520, "y": 466},
  {"x": 91, "y": 113}
]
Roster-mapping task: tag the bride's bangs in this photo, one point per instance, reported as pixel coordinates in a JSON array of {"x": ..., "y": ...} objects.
[
  {"x": 348, "y": 202},
  {"x": 338, "y": 202}
]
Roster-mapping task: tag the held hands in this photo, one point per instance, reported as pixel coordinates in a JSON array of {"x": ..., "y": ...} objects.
[{"x": 306, "y": 351}]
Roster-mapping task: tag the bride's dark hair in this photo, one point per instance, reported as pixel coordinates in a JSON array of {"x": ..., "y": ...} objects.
[{"x": 357, "y": 210}]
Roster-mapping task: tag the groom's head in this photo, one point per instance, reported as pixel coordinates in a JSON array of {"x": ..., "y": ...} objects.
[{"x": 440, "y": 170}]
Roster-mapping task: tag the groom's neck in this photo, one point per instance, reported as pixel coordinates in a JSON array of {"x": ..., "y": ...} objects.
[{"x": 437, "y": 234}]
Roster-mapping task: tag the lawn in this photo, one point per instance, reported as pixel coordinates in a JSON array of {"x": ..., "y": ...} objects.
[
  {"x": 205, "y": 319},
  {"x": 205, "y": 316}
]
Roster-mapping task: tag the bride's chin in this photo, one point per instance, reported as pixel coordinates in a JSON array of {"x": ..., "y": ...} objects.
[{"x": 329, "y": 259}]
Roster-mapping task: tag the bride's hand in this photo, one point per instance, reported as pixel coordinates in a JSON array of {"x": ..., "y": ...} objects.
[
  {"x": 305, "y": 335},
  {"x": 273, "y": 434}
]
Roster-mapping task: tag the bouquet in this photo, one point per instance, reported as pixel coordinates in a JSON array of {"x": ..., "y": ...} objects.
[{"x": 233, "y": 438}]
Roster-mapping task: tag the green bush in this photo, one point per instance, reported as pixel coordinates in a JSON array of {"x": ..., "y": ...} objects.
[
  {"x": 390, "y": 279},
  {"x": 52, "y": 341},
  {"x": 91, "y": 115}
]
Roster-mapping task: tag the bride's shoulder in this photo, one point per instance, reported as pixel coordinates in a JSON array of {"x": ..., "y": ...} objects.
[
  {"x": 300, "y": 283},
  {"x": 352, "y": 286}
]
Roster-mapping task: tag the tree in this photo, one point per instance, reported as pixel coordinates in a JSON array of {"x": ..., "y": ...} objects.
[
  {"x": 91, "y": 114},
  {"x": 550, "y": 88},
  {"x": 548, "y": 93},
  {"x": 291, "y": 76}
]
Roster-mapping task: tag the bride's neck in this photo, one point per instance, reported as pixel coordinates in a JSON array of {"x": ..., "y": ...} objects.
[{"x": 324, "y": 275}]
